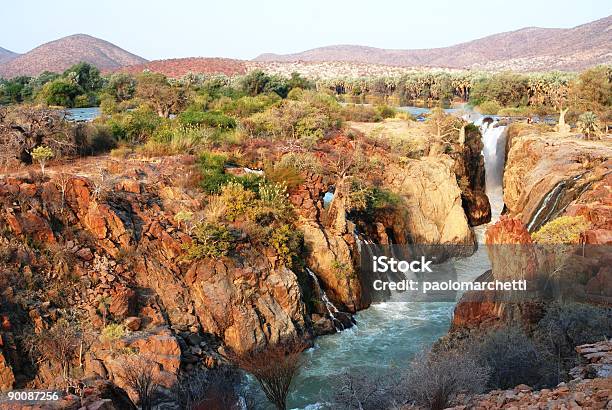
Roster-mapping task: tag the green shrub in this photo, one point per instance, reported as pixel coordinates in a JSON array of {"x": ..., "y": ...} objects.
[
  {"x": 489, "y": 107},
  {"x": 360, "y": 113},
  {"x": 112, "y": 332},
  {"x": 246, "y": 106},
  {"x": 207, "y": 118},
  {"x": 386, "y": 111},
  {"x": 212, "y": 169},
  {"x": 210, "y": 240},
  {"x": 134, "y": 127},
  {"x": 287, "y": 242},
  {"x": 237, "y": 200}
]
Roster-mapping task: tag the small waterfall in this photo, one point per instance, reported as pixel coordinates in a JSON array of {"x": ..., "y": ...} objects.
[
  {"x": 552, "y": 204},
  {"x": 332, "y": 310},
  {"x": 494, "y": 152}
]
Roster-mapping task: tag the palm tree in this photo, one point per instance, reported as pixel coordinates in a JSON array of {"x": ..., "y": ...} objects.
[{"x": 588, "y": 124}]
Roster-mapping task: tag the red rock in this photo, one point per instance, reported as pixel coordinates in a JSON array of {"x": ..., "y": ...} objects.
[
  {"x": 6, "y": 374},
  {"x": 85, "y": 254},
  {"x": 133, "y": 323}
]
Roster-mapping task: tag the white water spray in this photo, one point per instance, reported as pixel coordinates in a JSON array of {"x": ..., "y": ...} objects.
[
  {"x": 332, "y": 310},
  {"x": 494, "y": 152}
]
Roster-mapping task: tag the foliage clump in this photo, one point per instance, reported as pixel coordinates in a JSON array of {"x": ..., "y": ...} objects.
[
  {"x": 562, "y": 230},
  {"x": 210, "y": 240}
]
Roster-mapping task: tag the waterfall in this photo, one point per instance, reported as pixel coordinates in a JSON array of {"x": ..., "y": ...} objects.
[
  {"x": 494, "y": 152},
  {"x": 331, "y": 309},
  {"x": 552, "y": 205}
]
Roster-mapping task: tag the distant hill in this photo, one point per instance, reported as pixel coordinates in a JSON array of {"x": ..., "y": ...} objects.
[
  {"x": 60, "y": 54},
  {"x": 178, "y": 67},
  {"x": 6, "y": 55},
  {"x": 527, "y": 49}
]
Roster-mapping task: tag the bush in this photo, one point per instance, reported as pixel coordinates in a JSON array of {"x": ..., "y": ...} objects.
[
  {"x": 121, "y": 152},
  {"x": 207, "y": 118},
  {"x": 212, "y": 168},
  {"x": 567, "y": 325},
  {"x": 513, "y": 358},
  {"x": 562, "y": 230},
  {"x": 434, "y": 380},
  {"x": 287, "y": 175},
  {"x": 489, "y": 107},
  {"x": 237, "y": 200},
  {"x": 246, "y": 106},
  {"x": 95, "y": 138},
  {"x": 385, "y": 111},
  {"x": 210, "y": 240},
  {"x": 134, "y": 127},
  {"x": 302, "y": 161},
  {"x": 287, "y": 242},
  {"x": 360, "y": 113}
]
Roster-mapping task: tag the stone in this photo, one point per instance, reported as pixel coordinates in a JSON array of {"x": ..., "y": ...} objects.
[{"x": 133, "y": 323}]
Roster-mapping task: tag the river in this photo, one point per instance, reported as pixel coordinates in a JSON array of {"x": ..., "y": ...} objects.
[{"x": 388, "y": 334}]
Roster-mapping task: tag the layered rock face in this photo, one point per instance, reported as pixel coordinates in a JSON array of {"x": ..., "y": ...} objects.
[
  {"x": 549, "y": 175},
  {"x": 470, "y": 171}
]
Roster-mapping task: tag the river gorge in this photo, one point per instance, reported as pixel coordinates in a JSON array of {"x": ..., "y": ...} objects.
[{"x": 388, "y": 334}]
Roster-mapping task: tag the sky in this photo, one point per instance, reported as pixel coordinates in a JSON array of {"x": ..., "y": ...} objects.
[{"x": 243, "y": 29}]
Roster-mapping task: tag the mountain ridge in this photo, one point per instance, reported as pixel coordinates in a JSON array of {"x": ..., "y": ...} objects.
[
  {"x": 528, "y": 47},
  {"x": 58, "y": 55},
  {"x": 7, "y": 55}
]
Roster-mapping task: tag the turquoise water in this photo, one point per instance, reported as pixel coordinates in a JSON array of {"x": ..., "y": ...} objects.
[{"x": 387, "y": 335}]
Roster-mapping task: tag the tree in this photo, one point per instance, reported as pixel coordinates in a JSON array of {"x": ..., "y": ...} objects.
[
  {"x": 41, "y": 155},
  {"x": 60, "y": 92},
  {"x": 156, "y": 91},
  {"x": 23, "y": 128},
  {"x": 254, "y": 82},
  {"x": 121, "y": 86},
  {"x": 275, "y": 368},
  {"x": 445, "y": 127},
  {"x": 588, "y": 124},
  {"x": 85, "y": 75},
  {"x": 139, "y": 374}
]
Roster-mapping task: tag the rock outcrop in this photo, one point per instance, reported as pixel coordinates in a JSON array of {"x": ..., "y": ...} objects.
[
  {"x": 549, "y": 175},
  {"x": 432, "y": 211}
]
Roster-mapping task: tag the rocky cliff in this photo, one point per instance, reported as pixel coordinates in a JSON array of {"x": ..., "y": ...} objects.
[
  {"x": 96, "y": 241},
  {"x": 546, "y": 176}
]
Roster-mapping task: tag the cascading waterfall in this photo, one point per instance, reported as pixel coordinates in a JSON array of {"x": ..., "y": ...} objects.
[
  {"x": 552, "y": 204},
  {"x": 332, "y": 310},
  {"x": 494, "y": 152}
]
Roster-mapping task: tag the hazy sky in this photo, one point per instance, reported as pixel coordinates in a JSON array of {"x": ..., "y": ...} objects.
[{"x": 245, "y": 28}]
